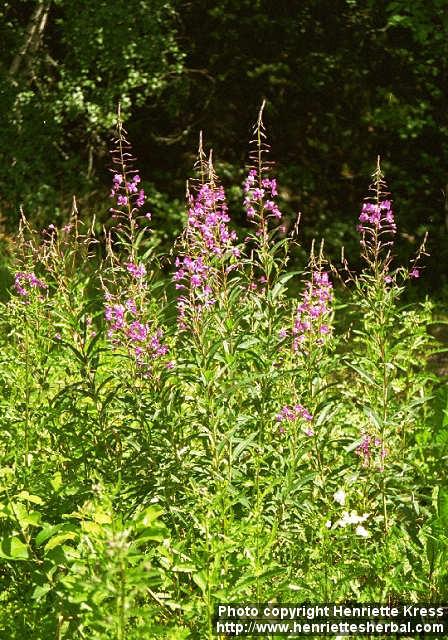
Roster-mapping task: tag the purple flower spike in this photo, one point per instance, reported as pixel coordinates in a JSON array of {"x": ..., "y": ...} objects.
[
  {"x": 260, "y": 198},
  {"x": 291, "y": 414},
  {"x": 377, "y": 220},
  {"x": 137, "y": 331},
  {"x": 366, "y": 449},
  {"x": 313, "y": 312},
  {"x": 24, "y": 282},
  {"x": 138, "y": 271},
  {"x": 127, "y": 328},
  {"x": 126, "y": 184},
  {"x": 210, "y": 243}
]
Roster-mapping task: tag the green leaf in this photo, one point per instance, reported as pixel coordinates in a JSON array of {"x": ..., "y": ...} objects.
[
  {"x": 40, "y": 592},
  {"x": 91, "y": 527},
  {"x": 59, "y": 539},
  {"x": 101, "y": 517},
  {"x": 200, "y": 579},
  {"x": 243, "y": 445},
  {"x": 442, "y": 507},
  {"x": 374, "y": 417},
  {"x": 14, "y": 549},
  {"x": 56, "y": 481},
  {"x": 184, "y": 568},
  {"x": 47, "y": 531},
  {"x": 148, "y": 516},
  {"x": 24, "y": 495},
  {"x": 364, "y": 374},
  {"x": 25, "y": 517}
]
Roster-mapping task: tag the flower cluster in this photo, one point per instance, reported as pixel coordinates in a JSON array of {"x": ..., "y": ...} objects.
[
  {"x": 351, "y": 518},
  {"x": 208, "y": 221},
  {"x": 379, "y": 216},
  {"x": 366, "y": 449},
  {"x": 128, "y": 195},
  {"x": 126, "y": 328},
  {"x": 294, "y": 413},
  {"x": 193, "y": 271},
  {"x": 192, "y": 274},
  {"x": 126, "y": 191},
  {"x": 137, "y": 270},
  {"x": 312, "y": 315},
  {"x": 258, "y": 196},
  {"x": 209, "y": 242},
  {"x": 340, "y": 496},
  {"x": 24, "y": 282}
]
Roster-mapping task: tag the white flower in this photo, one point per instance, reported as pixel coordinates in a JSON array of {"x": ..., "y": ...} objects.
[
  {"x": 351, "y": 518},
  {"x": 361, "y": 531},
  {"x": 339, "y": 497},
  {"x": 328, "y": 524},
  {"x": 345, "y": 520}
]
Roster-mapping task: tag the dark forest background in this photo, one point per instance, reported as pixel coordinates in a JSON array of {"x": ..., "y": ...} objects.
[{"x": 344, "y": 81}]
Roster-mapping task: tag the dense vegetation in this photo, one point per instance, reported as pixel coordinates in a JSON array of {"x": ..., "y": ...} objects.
[
  {"x": 210, "y": 404},
  {"x": 344, "y": 80},
  {"x": 239, "y": 432}
]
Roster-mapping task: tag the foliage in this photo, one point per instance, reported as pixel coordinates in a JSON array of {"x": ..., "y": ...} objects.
[
  {"x": 221, "y": 437},
  {"x": 65, "y": 67}
]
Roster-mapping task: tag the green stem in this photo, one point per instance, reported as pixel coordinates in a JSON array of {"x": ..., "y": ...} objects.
[{"x": 121, "y": 603}]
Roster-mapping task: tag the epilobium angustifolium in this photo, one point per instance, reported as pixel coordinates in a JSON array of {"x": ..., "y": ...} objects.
[
  {"x": 25, "y": 282},
  {"x": 143, "y": 477},
  {"x": 127, "y": 309},
  {"x": 208, "y": 248},
  {"x": 312, "y": 319}
]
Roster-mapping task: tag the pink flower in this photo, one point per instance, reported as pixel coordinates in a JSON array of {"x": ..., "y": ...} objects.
[
  {"x": 131, "y": 306},
  {"x": 25, "y": 281},
  {"x": 209, "y": 243},
  {"x": 115, "y": 315},
  {"x": 136, "y": 270},
  {"x": 141, "y": 198},
  {"x": 260, "y": 199},
  {"x": 380, "y": 216},
  {"x": 294, "y": 413},
  {"x": 366, "y": 449},
  {"x": 137, "y": 331},
  {"x": 313, "y": 311}
]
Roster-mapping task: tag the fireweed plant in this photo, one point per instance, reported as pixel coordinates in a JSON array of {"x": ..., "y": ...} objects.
[
  {"x": 130, "y": 314},
  {"x": 390, "y": 391},
  {"x": 172, "y": 443}
]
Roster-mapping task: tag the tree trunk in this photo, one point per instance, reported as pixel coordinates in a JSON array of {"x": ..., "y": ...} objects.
[{"x": 34, "y": 32}]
